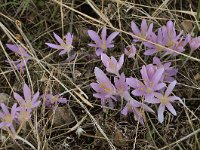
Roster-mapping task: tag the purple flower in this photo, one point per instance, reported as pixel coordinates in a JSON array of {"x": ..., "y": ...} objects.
[
  {"x": 7, "y": 118},
  {"x": 111, "y": 64},
  {"x": 64, "y": 45},
  {"x": 158, "y": 39},
  {"x": 136, "y": 107},
  {"x": 151, "y": 82},
  {"x": 121, "y": 85},
  {"x": 169, "y": 34},
  {"x": 104, "y": 88},
  {"x": 53, "y": 100},
  {"x": 23, "y": 115},
  {"x": 27, "y": 102},
  {"x": 21, "y": 52},
  {"x": 145, "y": 31},
  {"x": 130, "y": 51},
  {"x": 179, "y": 46},
  {"x": 194, "y": 43},
  {"x": 102, "y": 43},
  {"x": 168, "y": 73},
  {"x": 165, "y": 101}
]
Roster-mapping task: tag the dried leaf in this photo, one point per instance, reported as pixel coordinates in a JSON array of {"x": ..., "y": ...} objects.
[{"x": 187, "y": 26}]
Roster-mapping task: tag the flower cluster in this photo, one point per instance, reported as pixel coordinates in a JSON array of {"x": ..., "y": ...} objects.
[
  {"x": 22, "y": 112},
  {"x": 157, "y": 81}
]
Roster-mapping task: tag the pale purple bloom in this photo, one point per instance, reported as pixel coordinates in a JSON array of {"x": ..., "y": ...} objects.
[
  {"x": 172, "y": 40},
  {"x": 29, "y": 101},
  {"x": 130, "y": 51},
  {"x": 158, "y": 39},
  {"x": 151, "y": 82},
  {"x": 64, "y": 45},
  {"x": 21, "y": 52},
  {"x": 169, "y": 72},
  {"x": 101, "y": 42},
  {"x": 111, "y": 64},
  {"x": 104, "y": 88},
  {"x": 169, "y": 34},
  {"x": 23, "y": 115},
  {"x": 136, "y": 107},
  {"x": 194, "y": 43},
  {"x": 144, "y": 32},
  {"x": 7, "y": 118},
  {"x": 165, "y": 100},
  {"x": 121, "y": 85},
  {"x": 53, "y": 100},
  {"x": 179, "y": 46}
]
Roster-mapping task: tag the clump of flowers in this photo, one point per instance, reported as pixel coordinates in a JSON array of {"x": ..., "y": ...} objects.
[{"x": 157, "y": 79}]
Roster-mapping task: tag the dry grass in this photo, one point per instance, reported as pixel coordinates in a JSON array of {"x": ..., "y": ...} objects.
[{"x": 31, "y": 23}]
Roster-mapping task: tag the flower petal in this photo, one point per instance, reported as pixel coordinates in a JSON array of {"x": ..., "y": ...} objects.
[
  {"x": 124, "y": 111},
  {"x": 111, "y": 37},
  {"x": 135, "y": 28},
  {"x": 54, "y": 46},
  {"x": 121, "y": 61},
  {"x": 170, "y": 88},
  {"x": 5, "y": 108},
  {"x": 150, "y": 52},
  {"x": 27, "y": 92},
  {"x": 60, "y": 40},
  {"x": 157, "y": 76},
  {"x": 35, "y": 96},
  {"x": 103, "y": 34},
  {"x": 19, "y": 99},
  {"x": 173, "y": 98},
  {"x": 171, "y": 108},
  {"x": 161, "y": 110},
  {"x": 105, "y": 59},
  {"x": 94, "y": 36}
]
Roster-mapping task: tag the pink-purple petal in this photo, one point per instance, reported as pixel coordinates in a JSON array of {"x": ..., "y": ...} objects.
[
  {"x": 170, "y": 88},
  {"x": 54, "y": 46},
  {"x": 135, "y": 28},
  {"x": 94, "y": 36},
  {"x": 27, "y": 92},
  {"x": 111, "y": 37},
  {"x": 18, "y": 98},
  {"x": 60, "y": 40},
  {"x": 161, "y": 110},
  {"x": 171, "y": 108}
]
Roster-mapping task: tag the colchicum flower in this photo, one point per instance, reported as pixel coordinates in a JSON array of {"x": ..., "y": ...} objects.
[
  {"x": 53, "y": 100},
  {"x": 21, "y": 52},
  {"x": 121, "y": 85},
  {"x": 130, "y": 51},
  {"x": 29, "y": 101},
  {"x": 111, "y": 64},
  {"x": 136, "y": 107},
  {"x": 169, "y": 72},
  {"x": 102, "y": 43},
  {"x": 64, "y": 45},
  {"x": 7, "y": 118},
  {"x": 145, "y": 31},
  {"x": 151, "y": 82},
  {"x": 165, "y": 100},
  {"x": 104, "y": 88},
  {"x": 194, "y": 43},
  {"x": 152, "y": 48}
]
